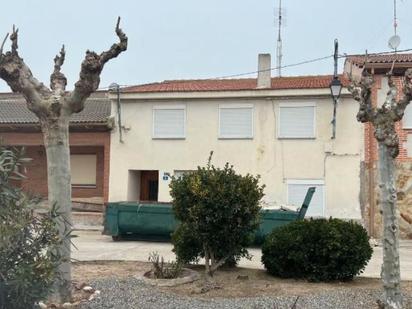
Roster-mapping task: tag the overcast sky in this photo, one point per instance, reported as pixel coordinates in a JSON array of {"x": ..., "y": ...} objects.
[{"x": 183, "y": 39}]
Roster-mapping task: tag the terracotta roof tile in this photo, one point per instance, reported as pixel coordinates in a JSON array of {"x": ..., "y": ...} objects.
[
  {"x": 195, "y": 85},
  {"x": 13, "y": 110},
  {"x": 379, "y": 58}
]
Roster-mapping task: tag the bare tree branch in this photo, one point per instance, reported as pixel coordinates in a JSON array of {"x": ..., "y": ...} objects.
[
  {"x": 90, "y": 71},
  {"x": 58, "y": 81},
  {"x": 361, "y": 92},
  {"x": 2, "y": 44},
  {"x": 115, "y": 49},
  {"x": 18, "y": 76},
  {"x": 13, "y": 38}
]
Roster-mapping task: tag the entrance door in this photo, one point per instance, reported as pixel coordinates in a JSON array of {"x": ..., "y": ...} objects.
[{"x": 149, "y": 185}]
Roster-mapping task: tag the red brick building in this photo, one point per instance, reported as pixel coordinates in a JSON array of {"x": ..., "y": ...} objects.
[
  {"x": 89, "y": 146},
  {"x": 379, "y": 66}
]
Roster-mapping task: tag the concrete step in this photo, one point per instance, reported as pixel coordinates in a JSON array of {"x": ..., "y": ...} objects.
[
  {"x": 87, "y": 220},
  {"x": 82, "y": 207}
]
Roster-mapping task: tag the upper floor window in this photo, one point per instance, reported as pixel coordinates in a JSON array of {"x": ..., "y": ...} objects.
[
  {"x": 407, "y": 117},
  {"x": 236, "y": 121},
  {"x": 169, "y": 121},
  {"x": 296, "y": 120}
]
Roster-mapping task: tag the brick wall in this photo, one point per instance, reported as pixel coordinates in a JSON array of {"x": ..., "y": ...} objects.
[
  {"x": 370, "y": 188},
  {"x": 371, "y": 146},
  {"x": 80, "y": 143}
]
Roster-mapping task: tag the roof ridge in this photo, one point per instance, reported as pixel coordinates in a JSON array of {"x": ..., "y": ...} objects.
[
  {"x": 169, "y": 81},
  {"x": 380, "y": 54}
]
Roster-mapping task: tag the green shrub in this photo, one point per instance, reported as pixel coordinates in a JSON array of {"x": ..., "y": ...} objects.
[
  {"x": 317, "y": 249},
  {"x": 188, "y": 249},
  {"x": 28, "y": 241},
  {"x": 218, "y": 210}
]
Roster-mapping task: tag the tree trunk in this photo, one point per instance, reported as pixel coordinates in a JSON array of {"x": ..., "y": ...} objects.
[
  {"x": 56, "y": 142},
  {"x": 390, "y": 272}
]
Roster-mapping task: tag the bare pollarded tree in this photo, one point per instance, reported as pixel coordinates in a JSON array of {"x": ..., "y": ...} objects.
[
  {"x": 53, "y": 106},
  {"x": 383, "y": 120}
]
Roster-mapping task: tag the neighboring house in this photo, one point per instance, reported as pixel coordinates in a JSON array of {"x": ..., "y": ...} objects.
[
  {"x": 380, "y": 65},
  {"x": 279, "y": 128},
  {"x": 89, "y": 146}
]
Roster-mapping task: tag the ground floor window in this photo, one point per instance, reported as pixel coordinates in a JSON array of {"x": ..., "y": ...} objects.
[
  {"x": 83, "y": 169},
  {"x": 180, "y": 173},
  {"x": 296, "y": 192}
]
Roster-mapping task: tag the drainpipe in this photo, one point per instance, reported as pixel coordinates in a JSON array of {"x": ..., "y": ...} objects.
[{"x": 116, "y": 87}]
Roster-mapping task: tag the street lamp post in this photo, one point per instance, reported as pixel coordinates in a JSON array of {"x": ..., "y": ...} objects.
[{"x": 335, "y": 89}]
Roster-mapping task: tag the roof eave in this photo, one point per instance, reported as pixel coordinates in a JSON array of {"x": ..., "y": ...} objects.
[
  {"x": 256, "y": 93},
  {"x": 35, "y": 127}
]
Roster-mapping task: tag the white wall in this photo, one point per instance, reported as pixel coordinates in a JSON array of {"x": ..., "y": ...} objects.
[{"x": 337, "y": 162}]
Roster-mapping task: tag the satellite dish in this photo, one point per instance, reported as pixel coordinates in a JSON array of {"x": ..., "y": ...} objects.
[{"x": 394, "y": 42}]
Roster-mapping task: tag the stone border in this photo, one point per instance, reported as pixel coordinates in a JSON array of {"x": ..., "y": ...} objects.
[{"x": 189, "y": 276}]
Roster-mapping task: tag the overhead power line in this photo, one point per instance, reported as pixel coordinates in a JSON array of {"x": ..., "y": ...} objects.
[{"x": 287, "y": 65}]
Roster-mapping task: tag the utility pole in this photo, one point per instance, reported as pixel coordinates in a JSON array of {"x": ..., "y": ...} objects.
[{"x": 335, "y": 88}]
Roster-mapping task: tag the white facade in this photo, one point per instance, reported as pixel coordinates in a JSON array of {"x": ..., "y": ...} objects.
[{"x": 282, "y": 135}]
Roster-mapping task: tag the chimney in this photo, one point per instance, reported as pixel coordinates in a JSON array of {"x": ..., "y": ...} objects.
[{"x": 264, "y": 80}]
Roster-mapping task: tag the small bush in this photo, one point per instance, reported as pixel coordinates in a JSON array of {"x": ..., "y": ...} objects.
[
  {"x": 318, "y": 250},
  {"x": 188, "y": 248},
  {"x": 162, "y": 270},
  {"x": 28, "y": 242},
  {"x": 218, "y": 210}
]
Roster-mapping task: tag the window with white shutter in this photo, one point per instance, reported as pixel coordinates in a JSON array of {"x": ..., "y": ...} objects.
[
  {"x": 83, "y": 169},
  {"x": 407, "y": 117},
  {"x": 236, "y": 121},
  {"x": 296, "y": 120},
  {"x": 169, "y": 121},
  {"x": 297, "y": 191},
  {"x": 180, "y": 173}
]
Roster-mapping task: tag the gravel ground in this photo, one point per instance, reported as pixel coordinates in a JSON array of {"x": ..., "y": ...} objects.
[{"x": 133, "y": 293}]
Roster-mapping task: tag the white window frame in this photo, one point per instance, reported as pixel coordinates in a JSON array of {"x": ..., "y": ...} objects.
[
  {"x": 315, "y": 182},
  {"x": 403, "y": 120},
  {"x": 169, "y": 107},
  {"x": 234, "y": 106},
  {"x": 296, "y": 104}
]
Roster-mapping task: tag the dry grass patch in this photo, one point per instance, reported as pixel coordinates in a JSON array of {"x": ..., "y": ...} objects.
[{"x": 236, "y": 282}]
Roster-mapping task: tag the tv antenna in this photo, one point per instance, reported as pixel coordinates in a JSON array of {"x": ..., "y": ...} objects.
[
  {"x": 394, "y": 40},
  {"x": 279, "y": 21}
]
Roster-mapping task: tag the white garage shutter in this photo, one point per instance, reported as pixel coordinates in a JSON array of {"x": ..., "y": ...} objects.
[
  {"x": 407, "y": 117},
  {"x": 236, "y": 122},
  {"x": 169, "y": 122},
  {"x": 297, "y": 192},
  {"x": 296, "y": 121}
]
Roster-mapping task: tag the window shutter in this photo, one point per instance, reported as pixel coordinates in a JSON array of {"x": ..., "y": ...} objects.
[
  {"x": 83, "y": 169},
  {"x": 407, "y": 117},
  {"x": 297, "y": 122},
  {"x": 180, "y": 173},
  {"x": 297, "y": 193},
  {"x": 169, "y": 123},
  {"x": 236, "y": 122}
]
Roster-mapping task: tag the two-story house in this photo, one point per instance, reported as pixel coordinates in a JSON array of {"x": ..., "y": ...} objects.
[{"x": 279, "y": 128}]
